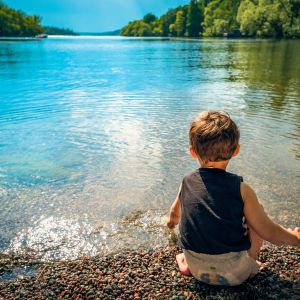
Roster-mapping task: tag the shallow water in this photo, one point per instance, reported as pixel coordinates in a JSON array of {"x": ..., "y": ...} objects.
[{"x": 93, "y": 134}]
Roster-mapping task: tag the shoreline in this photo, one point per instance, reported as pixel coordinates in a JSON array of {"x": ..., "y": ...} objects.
[
  {"x": 170, "y": 38},
  {"x": 145, "y": 274}
]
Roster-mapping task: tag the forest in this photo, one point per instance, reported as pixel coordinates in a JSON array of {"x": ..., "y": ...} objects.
[
  {"x": 17, "y": 24},
  {"x": 219, "y": 18},
  {"x": 51, "y": 30}
]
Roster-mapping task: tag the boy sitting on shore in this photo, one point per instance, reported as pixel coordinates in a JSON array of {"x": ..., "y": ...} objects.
[{"x": 213, "y": 206}]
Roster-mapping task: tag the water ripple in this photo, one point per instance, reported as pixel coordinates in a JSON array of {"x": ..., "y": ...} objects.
[{"x": 93, "y": 129}]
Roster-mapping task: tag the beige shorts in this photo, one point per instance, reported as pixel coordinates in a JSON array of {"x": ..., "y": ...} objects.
[{"x": 231, "y": 268}]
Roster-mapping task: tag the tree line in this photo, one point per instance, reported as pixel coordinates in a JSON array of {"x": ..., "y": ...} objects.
[
  {"x": 216, "y": 18},
  {"x": 51, "y": 30},
  {"x": 15, "y": 23}
]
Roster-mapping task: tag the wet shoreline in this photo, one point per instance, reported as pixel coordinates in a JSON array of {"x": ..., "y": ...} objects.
[{"x": 143, "y": 274}]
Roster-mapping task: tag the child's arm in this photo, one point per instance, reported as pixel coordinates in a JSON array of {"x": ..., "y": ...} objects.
[
  {"x": 262, "y": 224},
  {"x": 175, "y": 212}
]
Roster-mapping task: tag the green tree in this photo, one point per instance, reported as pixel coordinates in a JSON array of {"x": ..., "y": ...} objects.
[
  {"x": 269, "y": 18},
  {"x": 144, "y": 29},
  {"x": 294, "y": 26},
  {"x": 261, "y": 18},
  {"x": 149, "y": 18},
  {"x": 16, "y": 23},
  {"x": 172, "y": 29},
  {"x": 169, "y": 18},
  {"x": 194, "y": 19},
  {"x": 179, "y": 25},
  {"x": 247, "y": 18},
  {"x": 156, "y": 28},
  {"x": 137, "y": 28},
  {"x": 159, "y": 27},
  {"x": 220, "y": 17}
]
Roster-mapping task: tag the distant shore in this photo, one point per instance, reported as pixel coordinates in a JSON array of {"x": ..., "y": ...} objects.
[
  {"x": 141, "y": 274},
  {"x": 171, "y": 38}
]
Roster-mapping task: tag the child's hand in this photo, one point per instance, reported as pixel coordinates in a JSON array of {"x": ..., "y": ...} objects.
[
  {"x": 170, "y": 223},
  {"x": 296, "y": 233},
  {"x": 175, "y": 213}
]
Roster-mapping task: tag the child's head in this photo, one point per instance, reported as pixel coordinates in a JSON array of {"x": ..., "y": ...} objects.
[{"x": 214, "y": 136}]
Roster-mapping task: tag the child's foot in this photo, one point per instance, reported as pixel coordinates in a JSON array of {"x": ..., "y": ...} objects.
[
  {"x": 182, "y": 264},
  {"x": 260, "y": 266}
]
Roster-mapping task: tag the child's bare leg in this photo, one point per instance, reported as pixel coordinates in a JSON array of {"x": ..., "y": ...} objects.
[
  {"x": 256, "y": 243},
  {"x": 182, "y": 264}
]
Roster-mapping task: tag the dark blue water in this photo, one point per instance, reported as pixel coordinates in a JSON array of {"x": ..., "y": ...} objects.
[{"x": 93, "y": 134}]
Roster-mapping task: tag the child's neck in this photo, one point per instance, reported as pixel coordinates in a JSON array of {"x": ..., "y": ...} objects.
[{"x": 215, "y": 164}]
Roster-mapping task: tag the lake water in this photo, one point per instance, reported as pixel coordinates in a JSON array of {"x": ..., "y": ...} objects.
[{"x": 93, "y": 135}]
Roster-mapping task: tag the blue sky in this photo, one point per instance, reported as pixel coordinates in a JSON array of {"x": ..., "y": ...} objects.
[{"x": 92, "y": 15}]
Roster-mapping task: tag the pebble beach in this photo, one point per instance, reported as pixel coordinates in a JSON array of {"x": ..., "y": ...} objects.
[{"x": 143, "y": 274}]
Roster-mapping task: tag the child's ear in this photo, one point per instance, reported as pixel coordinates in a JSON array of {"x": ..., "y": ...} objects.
[
  {"x": 237, "y": 150},
  {"x": 194, "y": 155}
]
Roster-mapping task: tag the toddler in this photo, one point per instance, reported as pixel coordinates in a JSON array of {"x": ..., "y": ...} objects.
[{"x": 222, "y": 225}]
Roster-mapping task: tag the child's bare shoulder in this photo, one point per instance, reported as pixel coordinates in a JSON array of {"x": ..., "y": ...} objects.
[
  {"x": 252, "y": 206},
  {"x": 247, "y": 192}
]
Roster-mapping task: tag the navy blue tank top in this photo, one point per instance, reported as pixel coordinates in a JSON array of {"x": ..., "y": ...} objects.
[{"x": 212, "y": 217}]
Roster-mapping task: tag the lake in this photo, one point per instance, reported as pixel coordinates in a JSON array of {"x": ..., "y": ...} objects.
[{"x": 94, "y": 135}]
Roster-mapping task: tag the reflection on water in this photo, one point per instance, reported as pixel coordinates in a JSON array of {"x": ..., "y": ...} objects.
[
  {"x": 93, "y": 140},
  {"x": 271, "y": 72}
]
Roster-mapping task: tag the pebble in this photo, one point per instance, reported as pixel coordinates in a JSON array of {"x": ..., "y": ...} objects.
[{"x": 151, "y": 274}]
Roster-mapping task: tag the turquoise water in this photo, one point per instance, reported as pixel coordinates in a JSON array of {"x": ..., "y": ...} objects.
[{"x": 93, "y": 134}]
